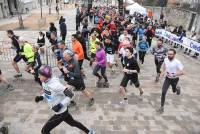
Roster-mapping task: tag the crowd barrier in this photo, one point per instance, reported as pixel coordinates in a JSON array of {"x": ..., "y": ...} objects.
[
  {"x": 184, "y": 41},
  {"x": 7, "y": 53}
]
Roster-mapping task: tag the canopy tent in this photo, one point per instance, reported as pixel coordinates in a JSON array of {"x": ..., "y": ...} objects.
[
  {"x": 136, "y": 8},
  {"x": 129, "y": 2}
]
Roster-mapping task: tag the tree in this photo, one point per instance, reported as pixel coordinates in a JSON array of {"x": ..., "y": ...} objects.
[
  {"x": 50, "y": 3},
  {"x": 19, "y": 12},
  {"x": 162, "y": 3},
  {"x": 150, "y": 2}
]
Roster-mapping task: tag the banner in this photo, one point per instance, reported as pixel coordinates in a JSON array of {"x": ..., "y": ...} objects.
[{"x": 185, "y": 42}]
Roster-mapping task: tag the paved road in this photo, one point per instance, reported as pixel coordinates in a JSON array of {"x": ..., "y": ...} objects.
[{"x": 181, "y": 116}]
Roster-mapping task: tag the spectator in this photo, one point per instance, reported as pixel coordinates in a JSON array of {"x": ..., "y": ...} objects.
[{"x": 63, "y": 29}]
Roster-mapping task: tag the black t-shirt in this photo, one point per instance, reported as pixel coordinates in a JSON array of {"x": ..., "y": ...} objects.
[
  {"x": 131, "y": 64},
  {"x": 109, "y": 48},
  {"x": 15, "y": 43}
]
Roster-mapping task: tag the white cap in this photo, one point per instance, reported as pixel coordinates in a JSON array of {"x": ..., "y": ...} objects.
[
  {"x": 68, "y": 52},
  {"x": 21, "y": 39}
]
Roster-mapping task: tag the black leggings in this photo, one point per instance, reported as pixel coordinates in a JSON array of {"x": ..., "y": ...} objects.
[
  {"x": 142, "y": 55},
  {"x": 166, "y": 84},
  {"x": 149, "y": 41},
  {"x": 55, "y": 120},
  {"x": 103, "y": 72},
  {"x": 158, "y": 65}
]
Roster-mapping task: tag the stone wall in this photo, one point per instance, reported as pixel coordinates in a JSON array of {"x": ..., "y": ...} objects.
[{"x": 177, "y": 17}]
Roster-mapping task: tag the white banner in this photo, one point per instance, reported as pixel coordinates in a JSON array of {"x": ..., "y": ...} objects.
[{"x": 185, "y": 42}]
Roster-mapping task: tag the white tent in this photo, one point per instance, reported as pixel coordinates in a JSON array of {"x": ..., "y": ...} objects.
[
  {"x": 129, "y": 2},
  {"x": 136, "y": 8}
]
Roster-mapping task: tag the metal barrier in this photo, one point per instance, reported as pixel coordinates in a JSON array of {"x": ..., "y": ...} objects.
[{"x": 7, "y": 54}]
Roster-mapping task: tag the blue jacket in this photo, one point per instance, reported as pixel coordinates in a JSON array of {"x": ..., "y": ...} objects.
[{"x": 143, "y": 46}]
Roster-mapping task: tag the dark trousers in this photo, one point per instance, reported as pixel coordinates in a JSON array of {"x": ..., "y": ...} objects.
[
  {"x": 149, "y": 41},
  {"x": 165, "y": 87},
  {"x": 63, "y": 37},
  {"x": 103, "y": 72},
  {"x": 77, "y": 27},
  {"x": 142, "y": 55},
  {"x": 37, "y": 79},
  {"x": 55, "y": 120},
  {"x": 158, "y": 65}
]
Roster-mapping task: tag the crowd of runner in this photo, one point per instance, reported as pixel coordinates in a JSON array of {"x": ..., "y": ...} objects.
[{"x": 112, "y": 37}]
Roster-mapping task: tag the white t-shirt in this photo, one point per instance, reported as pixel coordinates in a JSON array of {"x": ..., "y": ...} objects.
[
  {"x": 172, "y": 67},
  {"x": 122, "y": 37}
]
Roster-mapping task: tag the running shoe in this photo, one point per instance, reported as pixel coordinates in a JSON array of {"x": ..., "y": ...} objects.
[
  {"x": 91, "y": 102},
  {"x": 10, "y": 87},
  {"x": 72, "y": 104},
  {"x": 91, "y": 132},
  {"x": 124, "y": 102},
  {"x": 157, "y": 78},
  {"x": 100, "y": 78},
  {"x": 141, "y": 95},
  {"x": 160, "y": 110},
  {"x": 106, "y": 84},
  {"x": 178, "y": 90},
  {"x": 18, "y": 75}
]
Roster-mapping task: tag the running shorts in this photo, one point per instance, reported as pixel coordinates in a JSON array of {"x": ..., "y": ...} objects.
[
  {"x": 126, "y": 79},
  {"x": 110, "y": 58}
]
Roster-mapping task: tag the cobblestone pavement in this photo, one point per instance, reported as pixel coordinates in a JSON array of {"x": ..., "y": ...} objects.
[
  {"x": 23, "y": 116},
  {"x": 181, "y": 116}
]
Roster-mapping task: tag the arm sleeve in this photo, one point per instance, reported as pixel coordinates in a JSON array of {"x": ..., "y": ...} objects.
[{"x": 59, "y": 89}]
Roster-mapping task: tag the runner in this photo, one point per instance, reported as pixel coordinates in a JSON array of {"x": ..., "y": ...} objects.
[
  {"x": 78, "y": 50},
  {"x": 4, "y": 80},
  {"x": 110, "y": 52},
  {"x": 149, "y": 34},
  {"x": 73, "y": 75},
  {"x": 160, "y": 52},
  {"x": 82, "y": 40},
  {"x": 92, "y": 45},
  {"x": 58, "y": 97},
  {"x": 125, "y": 36},
  {"x": 173, "y": 68},
  {"x": 60, "y": 60},
  {"x": 143, "y": 46},
  {"x": 18, "y": 57},
  {"x": 131, "y": 71},
  {"x": 27, "y": 52},
  {"x": 100, "y": 64},
  {"x": 37, "y": 64}
]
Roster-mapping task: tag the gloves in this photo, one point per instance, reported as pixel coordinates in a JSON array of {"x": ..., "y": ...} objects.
[
  {"x": 57, "y": 107},
  {"x": 68, "y": 93},
  {"x": 38, "y": 98}
]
